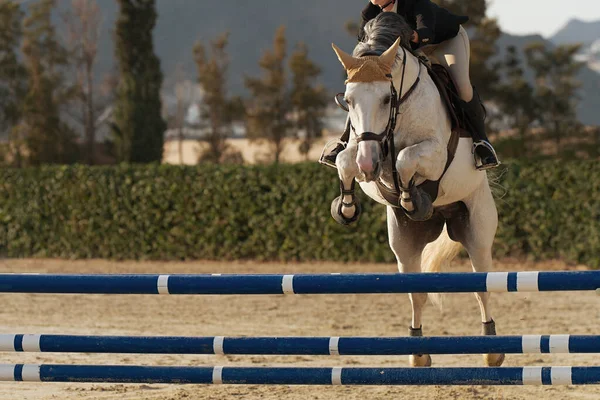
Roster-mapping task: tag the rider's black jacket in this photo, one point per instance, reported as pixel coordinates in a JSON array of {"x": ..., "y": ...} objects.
[{"x": 433, "y": 23}]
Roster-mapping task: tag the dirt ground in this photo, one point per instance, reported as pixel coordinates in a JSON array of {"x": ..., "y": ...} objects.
[{"x": 324, "y": 315}]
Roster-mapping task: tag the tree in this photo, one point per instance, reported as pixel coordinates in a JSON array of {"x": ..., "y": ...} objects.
[
  {"x": 83, "y": 26},
  {"x": 139, "y": 126},
  {"x": 269, "y": 103},
  {"x": 308, "y": 101},
  {"x": 594, "y": 150},
  {"x": 217, "y": 109},
  {"x": 515, "y": 97},
  {"x": 13, "y": 78},
  {"x": 177, "y": 121},
  {"x": 352, "y": 27},
  {"x": 48, "y": 138},
  {"x": 556, "y": 88}
]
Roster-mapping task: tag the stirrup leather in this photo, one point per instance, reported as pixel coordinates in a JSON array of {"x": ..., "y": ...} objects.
[
  {"x": 328, "y": 148},
  {"x": 478, "y": 162}
]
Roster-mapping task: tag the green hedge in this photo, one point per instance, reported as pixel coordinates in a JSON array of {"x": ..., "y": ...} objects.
[{"x": 281, "y": 212}]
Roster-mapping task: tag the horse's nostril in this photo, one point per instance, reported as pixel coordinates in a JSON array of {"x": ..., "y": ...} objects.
[
  {"x": 372, "y": 173},
  {"x": 365, "y": 164},
  {"x": 369, "y": 177},
  {"x": 377, "y": 170}
]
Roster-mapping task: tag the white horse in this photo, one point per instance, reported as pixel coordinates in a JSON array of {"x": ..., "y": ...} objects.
[{"x": 424, "y": 232}]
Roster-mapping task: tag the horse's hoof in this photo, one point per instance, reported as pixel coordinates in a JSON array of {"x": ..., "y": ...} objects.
[
  {"x": 419, "y": 360},
  {"x": 488, "y": 328},
  {"x": 422, "y": 205},
  {"x": 493, "y": 360},
  {"x": 336, "y": 212}
]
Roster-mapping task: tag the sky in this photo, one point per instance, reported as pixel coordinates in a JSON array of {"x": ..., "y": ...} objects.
[{"x": 541, "y": 16}]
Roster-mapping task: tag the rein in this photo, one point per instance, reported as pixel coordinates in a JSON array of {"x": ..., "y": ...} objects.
[
  {"x": 386, "y": 138},
  {"x": 387, "y": 4}
]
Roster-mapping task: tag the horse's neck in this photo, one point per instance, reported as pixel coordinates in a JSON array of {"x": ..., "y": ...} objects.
[
  {"x": 410, "y": 74},
  {"x": 423, "y": 112}
]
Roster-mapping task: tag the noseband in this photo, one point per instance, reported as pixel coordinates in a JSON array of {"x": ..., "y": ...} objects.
[{"x": 386, "y": 138}]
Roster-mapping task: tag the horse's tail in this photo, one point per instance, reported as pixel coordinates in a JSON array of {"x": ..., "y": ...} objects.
[{"x": 436, "y": 255}]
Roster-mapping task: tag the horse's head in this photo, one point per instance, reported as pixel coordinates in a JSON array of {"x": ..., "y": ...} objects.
[
  {"x": 368, "y": 86},
  {"x": 370, "y": 100}
]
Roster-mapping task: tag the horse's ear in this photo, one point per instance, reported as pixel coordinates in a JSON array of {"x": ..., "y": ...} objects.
[
  {"x": 346, "y": 59},
  {"x": 389, "y": 57}
]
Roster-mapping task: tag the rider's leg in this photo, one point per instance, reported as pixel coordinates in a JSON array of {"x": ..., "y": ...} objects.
[
  {"x": 329, "y": 158},
  {"x": 454, "y": 54}
]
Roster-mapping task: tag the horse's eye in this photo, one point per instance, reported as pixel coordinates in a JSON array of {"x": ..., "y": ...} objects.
[{"x": 386, "y": 100}]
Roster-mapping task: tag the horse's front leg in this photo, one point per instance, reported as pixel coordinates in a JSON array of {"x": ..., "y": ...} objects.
[
  {"x": 407, "y": 241},
  {"x": 345, "y": 209},
  {"x": 426, "y": 160}
]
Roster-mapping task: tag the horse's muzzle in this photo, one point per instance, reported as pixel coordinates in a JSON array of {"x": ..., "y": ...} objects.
[
  {"x": 372, "y": 172},
  {"x": 368, "y": 160}
]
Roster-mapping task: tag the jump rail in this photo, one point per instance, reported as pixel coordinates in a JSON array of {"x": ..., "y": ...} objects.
[
  {"x": 301, "y": 284},
  {"x": 345, "y": 346},
  {"x": 302, "y": 376}
]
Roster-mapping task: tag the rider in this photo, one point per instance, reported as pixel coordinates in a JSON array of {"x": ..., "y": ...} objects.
[{"x": 436, "y": 27}]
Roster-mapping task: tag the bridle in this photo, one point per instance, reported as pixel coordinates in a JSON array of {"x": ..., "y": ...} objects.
[
  {"x": 395, "y": 104},
  {"x": 386, "y": 138}
]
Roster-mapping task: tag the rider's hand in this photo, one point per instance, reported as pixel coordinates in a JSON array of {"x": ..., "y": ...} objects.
[
  {"x": 415, "y": 37},
  {"x": 380, "y": 3}
]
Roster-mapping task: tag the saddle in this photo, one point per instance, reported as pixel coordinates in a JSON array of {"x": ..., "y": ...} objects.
[{"x": 453, "y": 103}]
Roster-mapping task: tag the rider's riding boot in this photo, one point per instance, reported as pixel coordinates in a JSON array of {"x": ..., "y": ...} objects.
[
  {"x": 484, "y": 153},
  {"x": 329, "y": 159}
]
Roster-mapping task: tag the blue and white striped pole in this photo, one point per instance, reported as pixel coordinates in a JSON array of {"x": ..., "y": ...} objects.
[
  {"x": 218, "y": 284},
  {"x": 302, "y": 376},
  {"x": 345, "y": 346}
]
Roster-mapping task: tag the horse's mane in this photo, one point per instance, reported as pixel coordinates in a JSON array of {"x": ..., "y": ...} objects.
[{"x": 381, "y": 33}]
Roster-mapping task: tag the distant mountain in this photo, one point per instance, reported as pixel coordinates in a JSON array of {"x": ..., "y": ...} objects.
[
  {"x": 585, "y": 33},
  {"x": 577, "y": 31}
]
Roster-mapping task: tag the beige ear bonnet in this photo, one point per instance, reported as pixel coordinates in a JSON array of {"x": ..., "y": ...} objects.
[{"x": 368, "y": 68}]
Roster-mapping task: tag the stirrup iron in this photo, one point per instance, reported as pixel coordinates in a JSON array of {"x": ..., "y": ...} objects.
[
  {"x": 478, "y": 162},
  {"x": 328, "y": 148}
]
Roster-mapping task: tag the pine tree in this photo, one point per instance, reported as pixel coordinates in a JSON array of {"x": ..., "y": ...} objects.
[
  {"x": 556, "y": 89},
  {"x": 269, "y": 103},
  {"x": 13, "y": 78},
  {"x": 216, "y": 106},
  {"x": 139, "y": 127},
  {"x": 48, "y": 138},
  {"x": 308, "y": 101}
]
